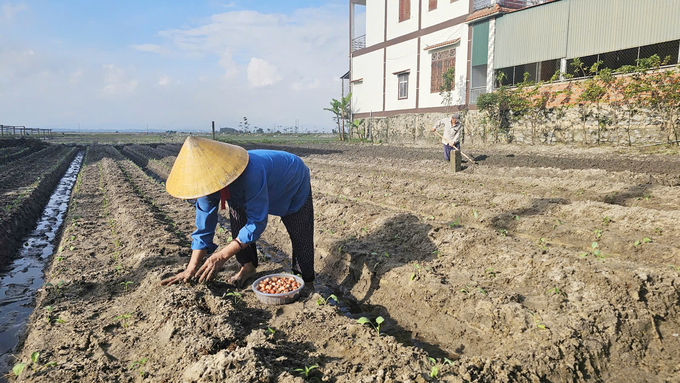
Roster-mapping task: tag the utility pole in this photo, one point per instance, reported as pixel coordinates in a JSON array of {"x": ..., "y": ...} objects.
[
  {"x": 213, "y": 128},
  {"x": 147, "y": 128}
]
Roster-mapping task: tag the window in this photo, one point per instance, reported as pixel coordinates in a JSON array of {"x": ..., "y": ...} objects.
[
  {"x": 404, "y": 10},
  {"x": 441, "y": 62},
  {"x": 433, "y": 5},
  {"x": 403, "y": 85}
]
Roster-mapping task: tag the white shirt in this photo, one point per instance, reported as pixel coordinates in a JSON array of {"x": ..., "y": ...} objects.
[{"x": 451, "y": 132}]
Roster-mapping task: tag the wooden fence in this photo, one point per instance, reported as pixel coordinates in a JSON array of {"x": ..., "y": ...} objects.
[{"x": 9, "y": 131}]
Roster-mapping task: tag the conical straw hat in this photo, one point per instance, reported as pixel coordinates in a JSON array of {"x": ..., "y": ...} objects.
[{"x": 205, "y": 166}]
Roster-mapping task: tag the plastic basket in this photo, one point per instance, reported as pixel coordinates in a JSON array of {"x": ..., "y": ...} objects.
[{"x": 278, "y": 299}]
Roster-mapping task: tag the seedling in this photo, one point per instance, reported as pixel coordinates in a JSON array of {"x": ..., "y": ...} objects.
[
  {"x": 490, "y": 272},
  {"x": 466, "y": 290},
  {"x": 72, "y": 248},
  {"x": 324, "y": 302},
  {"x": 481, "y": 290},
  {"x": 503, "y": 232},
  {"x": 676, "y": 268},
  {"x": 139, "y": 366},
  {"x": 416, "y": 272},
  {"x": 237, "y": 296},
  {"x": 455, "y": 223},
  {"x": 35, "y": 366},
  {"x": 306, "y": 371},
  {"x": 49, "y": 311},
  {"x": 271, "y": 331},
  {"x": 543, "y": 243},
  {"x": 557, "y": 223},
  {"x": 124, "y": 318},
  {"x": 475, "y": 213},
  {"x": 598, "y": 233},
  {"x": 516, "y": 218},
  {"x": 556, "y": 291},
  {"x": 644, "y": 240},
  {"x": 378, "y": 321},
  {"x": 606, "y": 221},
  {"x": 59, "y": 259},
  {"x": 126, "y": 285},
  {"x": 537, "y": 321}
]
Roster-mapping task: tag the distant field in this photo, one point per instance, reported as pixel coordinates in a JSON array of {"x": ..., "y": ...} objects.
[{"x": 153, "y": 138}]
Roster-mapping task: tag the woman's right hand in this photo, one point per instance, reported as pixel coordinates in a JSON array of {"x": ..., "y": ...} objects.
[{"x": 184, "y": 276}]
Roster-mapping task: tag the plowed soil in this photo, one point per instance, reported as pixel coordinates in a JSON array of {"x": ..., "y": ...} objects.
[{"x": 534, "y": 265}]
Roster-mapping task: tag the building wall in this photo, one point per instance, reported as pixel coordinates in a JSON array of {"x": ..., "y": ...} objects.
[
  {"x": 427, "y": 99},
  {"x": 401, "y": 57},
  {"x": 394, "y": 27},
  {"x": 375, "y": 22},
  {"x": 367, "y": 95},
  {"x": 446, "y": 10}
]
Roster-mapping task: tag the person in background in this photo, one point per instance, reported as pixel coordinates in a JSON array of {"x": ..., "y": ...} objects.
[
  {"x": 451, "y": 135},
  {"x": 255, "y": 183}
]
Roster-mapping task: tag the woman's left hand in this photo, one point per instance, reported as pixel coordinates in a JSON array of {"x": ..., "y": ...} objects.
[{"x": 210, "y": 268}]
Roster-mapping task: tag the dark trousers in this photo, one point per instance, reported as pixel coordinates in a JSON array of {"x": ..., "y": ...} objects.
[
  {"x": 447, "y": 150},
  {"x": 300, "y": 227}
]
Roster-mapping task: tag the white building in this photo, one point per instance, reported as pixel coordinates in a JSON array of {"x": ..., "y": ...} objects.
[{"x": 397, "y": 66}]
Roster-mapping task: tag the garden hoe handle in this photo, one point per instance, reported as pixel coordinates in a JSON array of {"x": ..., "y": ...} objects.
[{"x": 461, "y": 152}]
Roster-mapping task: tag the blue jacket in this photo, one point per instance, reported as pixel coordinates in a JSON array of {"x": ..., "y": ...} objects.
[{"x": 274, "y": 182}]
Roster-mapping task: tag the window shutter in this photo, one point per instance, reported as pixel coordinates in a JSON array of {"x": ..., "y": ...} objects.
[
  {"x": 401, "y": 10},
  {"x": 433, "y": 5},
  {"x": 407, "y": 9}
]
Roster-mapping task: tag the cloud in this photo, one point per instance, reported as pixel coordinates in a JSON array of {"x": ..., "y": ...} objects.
[
  {"x": 247, "y": 59},
  {"x": 164, "y": 81},
  {"x": 74, "y": 78},
  {"x": 8, "y": 11},
  {"x": 116, "y": 81},
  {"x": 150, "y": 48},
  {"x": 261, "y": 73},
  {"x": 230, "y": 5},
  {"x": 227, "y": 62}
]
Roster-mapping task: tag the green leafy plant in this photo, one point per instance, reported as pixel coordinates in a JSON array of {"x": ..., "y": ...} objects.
[
  {"x": 537, "y": 321},
  {"x": 543, "y": 243},
  {"x": 455, "y": 223},
  {"x": 475, "y": 213},
  {"x": 378, "y": 321},
  {"x": 126, "y": 285},
  {"x": 323, "y": 302},
  {"x": 416, "y": 272},
  {"x": 237, "y": 296},
  {"x": 606, "y": 221},
  {"x": 466, "y": 290},
  {"x": 34, "y": 364},
  {"x": 598, "y": 233},
  {"x": 124, "y": 318},
  {"x": 271, "y": 330},
  {"x": 644, "y": 240},
  {"x": 490, "y": 272},
  {"x": 556, "y": 291},
  {"x": 306, "y": 371},
  {"x": 139, "y": 366},
  {"x": 503, "y": 232}
]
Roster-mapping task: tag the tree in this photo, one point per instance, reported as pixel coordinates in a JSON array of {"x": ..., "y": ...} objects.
[
  {"x": 341, "y": 111},
  {"x": 446, "y": 90},
  {"x": 501, "y": 108}
]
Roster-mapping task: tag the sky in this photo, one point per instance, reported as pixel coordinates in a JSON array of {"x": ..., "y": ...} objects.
[{"x": 171, "y": 64}]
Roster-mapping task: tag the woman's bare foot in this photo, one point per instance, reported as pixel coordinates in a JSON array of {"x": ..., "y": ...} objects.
[{"x": 239, "y": 279}]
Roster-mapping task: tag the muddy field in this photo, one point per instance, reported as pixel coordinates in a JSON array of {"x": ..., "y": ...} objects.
[{"x": 537, "y": 264}]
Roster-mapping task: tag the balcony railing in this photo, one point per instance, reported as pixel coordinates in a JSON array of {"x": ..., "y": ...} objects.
[
  {"x": 514, "y": 4},
  {"x": 359, "y": 43}
]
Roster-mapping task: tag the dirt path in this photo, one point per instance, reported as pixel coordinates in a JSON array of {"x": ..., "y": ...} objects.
[{"x": 493, "y": 268}]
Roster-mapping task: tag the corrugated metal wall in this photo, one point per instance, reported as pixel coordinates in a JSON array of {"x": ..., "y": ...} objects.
[
  {"x": 610, "y": 25},
  {"x": 577, "y": 28},
  {"x": 532, "y": 35}
]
